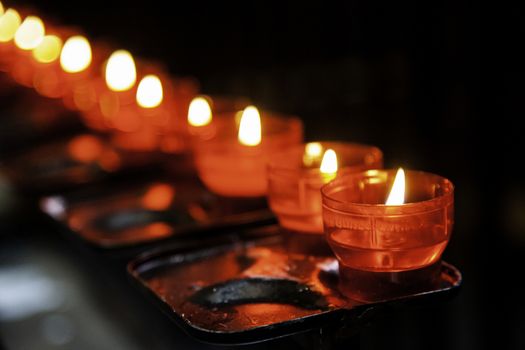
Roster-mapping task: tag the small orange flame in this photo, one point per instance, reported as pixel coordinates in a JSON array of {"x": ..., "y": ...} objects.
[
  {"x": 49, "y": 49},
  {"x": 250, "y": 127},
  {"x": 199, "y": 112},
  {"x": 76, "y": 54},
  {"x": 9, "y": 24},
  {"x": 30, "y": 33},
  {"x": 329, "y": 162},
  {"x": 149, "y": 92},
  {"x": 397, "y": 193},
  {"x": 121, "y": 73},
  {"x": 312, "y": 153}
]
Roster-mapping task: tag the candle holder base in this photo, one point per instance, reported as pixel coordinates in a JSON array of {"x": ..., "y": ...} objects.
[
  {"x": 374, "y": 286},
  {"x": 136, "y": 215},
  {"x": 75, "y": 161},
  {"x": 305, "y": 243},
  {"x": 254, "y": 290}
]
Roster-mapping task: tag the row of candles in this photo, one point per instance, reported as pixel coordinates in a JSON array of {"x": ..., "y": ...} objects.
[{"x": 374, "y": 220}]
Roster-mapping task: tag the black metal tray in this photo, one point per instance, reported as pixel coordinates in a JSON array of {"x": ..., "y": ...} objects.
[
  {"x": 119, "y": 216},
  {"x": 255, "y": 290},
  {"x": 75, "y": 161}
]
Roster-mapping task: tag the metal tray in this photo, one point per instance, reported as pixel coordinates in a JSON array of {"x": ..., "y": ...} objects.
[
  {"x": 76, "y": 161},
  {"x": 118, "y": 216},
  {"x": 256, "y": 290}
]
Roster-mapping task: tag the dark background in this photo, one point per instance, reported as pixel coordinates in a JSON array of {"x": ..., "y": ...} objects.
[{"x": 404, "y": 77}]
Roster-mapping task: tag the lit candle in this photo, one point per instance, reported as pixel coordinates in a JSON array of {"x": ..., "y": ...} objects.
[
  {"x": 114, "y": 94},
  {"x": 46, "y": 67},
  {"x": 9, "y": 22},
  {"x": 78, "y": 77},
  {"x": 295, "y": 178},
  {"x": 388, "y": 237},
  {"x": 151, "y": 115},
  {"x": 233, "y": 162},
  {"x": 200, "y": 117},
  {"x": 28, "y": 36}
]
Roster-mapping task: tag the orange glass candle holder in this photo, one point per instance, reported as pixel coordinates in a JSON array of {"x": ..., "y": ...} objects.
[
  {"x": 231, "y": 169},
  {"x": 387, "y": 251},
  {"x": 295, "y": 180}
]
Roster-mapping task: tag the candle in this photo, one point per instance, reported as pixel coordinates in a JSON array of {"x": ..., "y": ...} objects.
[
  {"x": 387, "y": 237},
  {"x": 78, "y": 77},
  {"x": 232, "y": 162},
  {"x": 46, "y": 67},
  {"x": 295, "y": 178},
  {"x": 114, "y": 95},
  {"x": 150, "y": 114},
  {"x": 28, "y": 36},
  {"x": 9, "y": 23}
]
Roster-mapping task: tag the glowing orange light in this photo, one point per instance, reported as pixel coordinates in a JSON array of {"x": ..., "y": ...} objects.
[
  {"x": 30, "y": 33},
  {"x": 199, "y": 112},
  {"x": 85, "y": 148},
  {"x": 312, "y": 152},
  {"x": 121, "y": 73},
  {"x": 9, "y": 24},
  {"x": 48, "y": 50},
  {"x": 76, "y": 54},
  {"x": 158, "y": 197},
  {"x": 1, "y": 9},
  {"x": 329, "y": 162},
  {"x": 149, "y": 92},
  {"x": 250, "y": 127},
  {"x": 397, "y": 193}
]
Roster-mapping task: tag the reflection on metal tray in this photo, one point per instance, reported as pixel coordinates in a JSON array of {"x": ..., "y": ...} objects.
[
  {"x": 74, "y": 161},
  {"x": 145, "y": 213},
  {"x": 255, "y": 291}
]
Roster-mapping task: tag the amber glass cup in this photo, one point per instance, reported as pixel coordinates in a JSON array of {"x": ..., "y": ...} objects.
[
  {"x": 387, "y": 251},
  {"x": 295, "y": 181},
  {"x": 231, "y": 169}
]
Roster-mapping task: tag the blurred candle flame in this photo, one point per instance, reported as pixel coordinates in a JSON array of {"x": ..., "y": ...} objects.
[
  {"x": 121, "y": 73},
  {"x": 149, "y": 92},
  {"x": 397, "y": 193},
  {"x": 49, "y": 49},
  {"x": 76, "y": 54},
  {"x": 250, "y": 127},
  {"x": 1, "y": 9},
  {"x": 329, "y": 162},
  {"x": 9, "y": 24},
  {"x": 199, "y": 112},
  {"x": 30, "y": 33},
  {"x": 312, "y": 153}
]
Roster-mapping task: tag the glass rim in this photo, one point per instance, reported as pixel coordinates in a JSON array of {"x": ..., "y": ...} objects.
[{"x": 413, "y": 207}]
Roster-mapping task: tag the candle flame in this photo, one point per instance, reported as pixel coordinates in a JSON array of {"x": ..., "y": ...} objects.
[
  {"x": 76, "y": 54},
  {"x": 329, "y": 162},
  {"x": 312, "y": 152},
  {"x": 30, "y": 33},
  {"x": 1, "y": 9},
  {"x": 121, "y": 73},
  {"x": 397, "y": 193},
  {"x": 250, "y": 127},
  {"x": 313, "y": 149},
  {"x": 199, "y": 112},
  {"x": 48, "y": 50},
  {"x": 149, "y": 92},
  {"x": 9, "y": 24}
]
